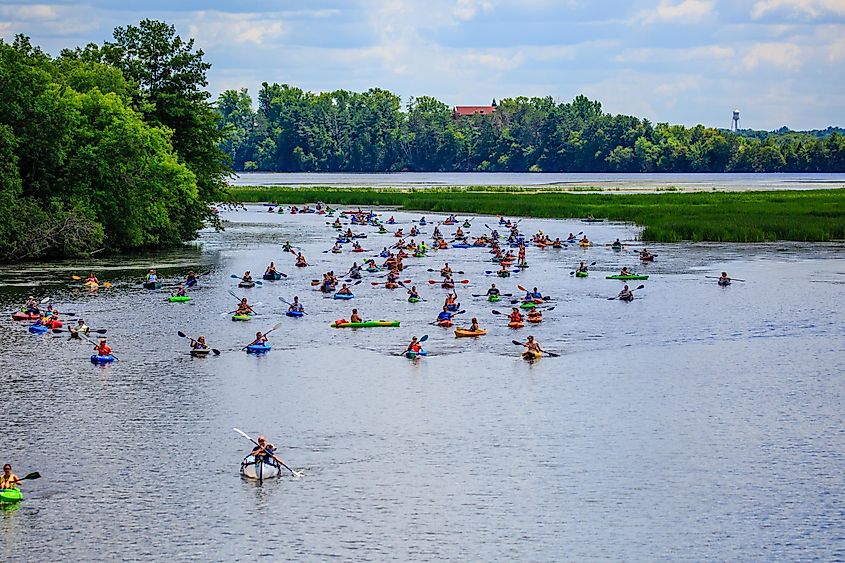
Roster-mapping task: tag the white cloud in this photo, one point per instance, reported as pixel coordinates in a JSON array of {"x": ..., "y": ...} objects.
[
  {"x": 786, "y": 56},
  {"x": 686, "y": 11},
  {"x": 213, "y": 28},
  {"x": 803, "y": 8},
  {"x": 467, "y": 9},
  {"x": 29, "y": 12},
  {"x": 701, "y": 53}
]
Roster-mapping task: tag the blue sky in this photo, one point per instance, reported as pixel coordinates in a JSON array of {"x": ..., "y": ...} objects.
[{"x": 781, "y": 62}]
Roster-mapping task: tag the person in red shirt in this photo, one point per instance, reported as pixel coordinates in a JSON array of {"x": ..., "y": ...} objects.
[{"x": 102, "y": 348}]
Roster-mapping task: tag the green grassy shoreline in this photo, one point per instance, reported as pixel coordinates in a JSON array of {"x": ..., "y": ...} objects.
[{"x": 748, "y": 216}]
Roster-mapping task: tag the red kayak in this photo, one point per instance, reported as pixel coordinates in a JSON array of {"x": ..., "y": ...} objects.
[{"x": 21, "y": 316}]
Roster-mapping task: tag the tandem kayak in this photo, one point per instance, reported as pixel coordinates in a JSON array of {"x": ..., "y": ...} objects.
[
  {"x": 411, "y": 355},
  {"x": 21, "y": 316},
  {"x": 38, "y": 329},
  {"x": 364, "y": 324},
  {"x": 241, "y": 317},
  {"x": 628, "y": 277},
  {"x": 461, "y": 332},
  {"x": 97, "y": 359},
  {"x": 344, "y": 295},
  {"x": 11, "y": 495},
  {"x": 258, "y": 348},
  {"x": 152, "y": 285},
  {"x": 582, "y": 274},
  {"x": 260, "y": 469},
  {"x": 295, "y": 314},
  {"x": 179, "y": 298}
]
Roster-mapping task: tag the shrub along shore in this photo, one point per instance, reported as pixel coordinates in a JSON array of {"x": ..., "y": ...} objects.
[{"x": 748, "y": 216}]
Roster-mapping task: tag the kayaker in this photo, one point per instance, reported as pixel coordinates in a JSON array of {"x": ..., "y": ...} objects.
[
  {"x": 151, "y": 276},
  {"x": 80, "y": 328},
  {"x": 337, "y": 248},
  {"x": 296, "y": 306},
  {"x": 724, "y": 279},
  {"x": 300, "y": 261},
  {"x": 265, "y": 451},
  {"x": 521, "y": 255},
  {"x": 355, "y": 271},
  {"x": 355, "y": 317},
  {"x": 474, "y": 325},
  {"x": 626, "y": 294},
  {"x": 571, "y": 238},
  {"x": 271, "y": 269},
  {"x": 414, "y": 346},
  {"x": 446, "y": 270},
  {"x": 399, "y": 233},
  {"x": 493, "y": 290},
  {"x": 31, "y": 306},
  {"x": 11, "y": 481},
  {"x": 344, "y": 290},
  {"x": 645, "y": 255},
  {"x": 582, "y": 267},
  {"x": 422, "y": 248},
  {"x": 584, "y": 240},
  {"x": 444, "y": 315},
  {"x": 102, "y": 348},
  {"x": 391, "y": 221},
  {"x": 260, "y": 339},
  {"x": 247, "y": 277},
  {"x": 53, "y": 321},
  {"x": 616, "y": 244},
  {"x": 448, "y": 283},
  {"x": 356, "y": 246},
  {"x": 535, "y": 316},
  {"x": 535, "y": 294},
  {"x": 244, "y": 308},
  {"x": 422, "y": 220},
  {"x": 412, "y": 293},
  {"x": 180, "y": 291},
  {"x": 92, "y": 279},
  {"x": 533, "y": 345},
  {"x": 503, "y": 271},
  {"x": 191, "y": 280},
  {"x": 287, "y": 247},
  {"x": 413, "y": 232},
  {"x": 451, "y": 302},
  {"x": 199, "y": 343},
  {"x": 515, "y": 316},
  {"x": 459, "y": 234},
  {"x": 383, "y": 254},
  {"x": 624, "y": 271},
  {"x": 436, "y": 233},
  {"x": 557, "y": 243},
  {"x": 349, "y": 233}
]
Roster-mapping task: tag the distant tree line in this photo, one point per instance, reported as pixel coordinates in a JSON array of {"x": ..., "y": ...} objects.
[
  {"x": 293, "y": 130},
  {"x": 112, "y": 145}
]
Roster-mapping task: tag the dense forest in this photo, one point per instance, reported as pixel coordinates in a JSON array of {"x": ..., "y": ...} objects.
[
  {"x": 111, "y": 146},
  {"x": 292, "y": 130}
]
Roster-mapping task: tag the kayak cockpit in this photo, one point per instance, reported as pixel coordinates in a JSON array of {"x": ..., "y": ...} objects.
[{"x": 260, "y": 468}]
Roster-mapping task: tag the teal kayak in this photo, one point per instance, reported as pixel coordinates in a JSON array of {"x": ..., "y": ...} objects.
[{"x": 11, "y": 495}]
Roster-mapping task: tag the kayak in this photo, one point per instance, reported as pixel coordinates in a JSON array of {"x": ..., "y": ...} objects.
[
  {"x": 627, "y": 299},
  {"x": 241, "y": 317},
  {"x": 200, "y": 352},
  {"x": 502, "y": 274},
  {"x": 628, "y": 277},
  {"x": 461, "y": 332},
  {"x": 413, "y": 355},
  {"x": 445, "y": 323},
  {"x": 724, "y": 283},
  {"x": 494, "y": 298},
  {"x": 11, "y": 495},
  {"x": 38, "y": 329},
  {"x": 614, "y": 247},
  {"x": 582, "y": 274},
  {"x": 649, "y": 258},
  {"x": 294, "y": 313},
  {"x": 246, "y": 284},
  {"x": 92, "y": 285},
  {"x": 54, "y": 323},
  {"x": 588, "y": 220},
  {"x": 372, "y": 269},
  {"x": 584, "y": 244},
  {"x": 272, "y": 276},
  {"x": 414, "y": 300},
  {"x": 179, "y": 298},
  {"x": 531, "y": 355},
  {"x": 152, "y": 285},
  {"x": 460, "y": 245},
  {"x": 97, "y": 359},
  {"x": 514, "y": 324},
  {"x": 452, "y": 307},
  {"x": 260, "y": 469},
  {"x": 528, "y": 305},
  {"x": 344, "y": 295},
  {"x": 364, "y": 324},
  {"x": 535, "y": 318},
  {"x": 258, "y": 348},
  {"x": 21, "y": 316}
]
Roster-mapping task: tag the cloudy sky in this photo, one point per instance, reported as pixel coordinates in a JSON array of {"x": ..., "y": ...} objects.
[{"x": 781, "y": 62}]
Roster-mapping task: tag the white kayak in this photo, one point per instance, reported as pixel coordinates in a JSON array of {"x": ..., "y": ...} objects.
[{"x": 260, "y": 469}]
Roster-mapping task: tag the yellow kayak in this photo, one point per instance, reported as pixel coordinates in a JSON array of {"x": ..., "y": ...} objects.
[
  {"x": 532, "y": 355},
  {"x": 459, "y": 332}
]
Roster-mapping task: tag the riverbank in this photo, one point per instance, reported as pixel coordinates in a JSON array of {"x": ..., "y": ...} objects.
[{"x": 751, "y": 216}]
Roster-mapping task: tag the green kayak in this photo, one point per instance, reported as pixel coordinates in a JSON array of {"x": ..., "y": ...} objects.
[
  {"x": 413, "y": 300},
  {"x": 11, "y": 495},
  {"x": 629, "y": 277},
  {"x": 493, "y": 298},
  {"x": 241, "y": 317},
  {"x": 179, "y": 298},
  {"x": 582, "y": 274},
  {"x": 365, "y": 324},
  {"x": 528, "y": 305}
]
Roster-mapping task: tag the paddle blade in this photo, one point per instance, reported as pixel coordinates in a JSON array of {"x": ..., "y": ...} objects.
[
  {"x": 423, "y": 338},
  {"x": 33, "y": 475},
  {"x": 180, "y": 333},
  {"x": 495, "y": 312},
  {"x": 464, "y": 281},
  {"x": 517, "y": 342},
  {"x": 215, "y": 351}
]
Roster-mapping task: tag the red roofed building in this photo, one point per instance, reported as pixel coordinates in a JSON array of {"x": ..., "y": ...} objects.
[{"x": 461, "y": 111}]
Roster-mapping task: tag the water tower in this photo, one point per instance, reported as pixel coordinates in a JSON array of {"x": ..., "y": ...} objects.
[{"x": 735, "y": 121}]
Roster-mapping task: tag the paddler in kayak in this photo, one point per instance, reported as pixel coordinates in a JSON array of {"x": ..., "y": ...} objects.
[
  {"x": 534, "y": 294},
  {"x": 581, "y": 267},
  {"x": 247, "y": 277},
  {"x": 515, "y": 316},
  {"x": 180, "y": 291},
  {"x": 626, "y": 294},
  {"x": 355, "y": 317},
  {"x": 444, "y": 315},
  {"x": 80, "y": 328},
  {"x": 413, "y": 232},
  {"x": 399, "y": 234},
  {"x": 356, "y": 247},
  {"x": 287, "y": 247},
  {"x": 414, "y": 346},
  {"x": 260, "y": 339},
  {"x": 151, "y": 276},
  {"x": 645, "y": 255},
  {"x": 452, "y": 302},
  {"x": 446, "y": 270},
  {"x": 724, "y": 279},
  {"x": 264, "y": 451},
  {"x": 337, "y": 248},
  {"x": 11, "y": 481},
  {"x": 474, "y": 325},
  {"x": 355, "y": 271},
  {"x": 31, "y": 306},
  {"x": 102, "y": 348},
  {"x": 436, "y": 233},
  {"x": 617, "y": 245},
  {"x": 296, "y": 306},
  {"x": 493, "y": 290},
  {"x": 349, "y": 234},
  {"x": 625, "y": 272},
  {"x": 448, "y": 283},
  {"x": 344, "y": 290},
  {"x": 271, "y": 269},
  {"x": 199, "y": 343},
  {"x": 300, "y": 261},
  {"x": 533, "y": 346},
  {"x": 413, "y": 293},
  {"x": 422, "y": 248},
  {"x": 53, "y": 321},
  {"x": 459, "y": 234},
  {"x": 244, "y": 308},
  {"x": 584, "y": 241},
  {"x": 191, "y": 280},
  {"x": 92, "y": 279}
]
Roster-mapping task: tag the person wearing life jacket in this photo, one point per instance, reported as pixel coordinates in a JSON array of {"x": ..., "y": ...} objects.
[
  {"x": 413, "y": 232},
  {"x": 372, "y": 264},
  {"x": 448, "y": 283},
  {"x": 296, "y": 306},
  {"x": 271, "y": 269},
  {"x": 31, "y": 306},
  {"x": 459, "y": 234},
  {"x": 626, "y": 294},
  {"x": 399, "y": 234},
  {"x": 724, "y": 279},
  {"x": 247, "y": 277},
  {"x": 151, "y": 276},
  {"x": 414, "y": 346},
  {"x": 260, "y": 339},
  {"x": 349, "y": 234},
  {"x": 645, "y": 255},
  {"x": 191, "y": 280},
  {"x": 9, "y": 480},
  {"x": 300, "y": 261},
  {"x": 413, "y": 293},
  {"x": 535, "y": 316},
  {"x": 102, "y": 348},
  {"x": 244, "y": 308},
  {"x": 80, "y": 328},
  {"x": 337, "y": 223},
  {"x": 452, "y": 302},
  {"x": 584, "y": 240},
  {"x": 422, "y": 248},
  {"x": 441, "y": 244},
  {"x": 53, "y": 321},
  {"x": 582, "y": 267},
  {"x": 446, "y": 270},
  {"x": 535, "y": 294},
  {"x": 199, "y": 343},
  {"x": 515, "y": 316},
  {"x": 624, "y": 271},
  {"x": 180, "y": 291}
]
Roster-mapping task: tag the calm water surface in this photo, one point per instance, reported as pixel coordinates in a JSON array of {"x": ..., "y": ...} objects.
[{"x": 694, "y": 423}]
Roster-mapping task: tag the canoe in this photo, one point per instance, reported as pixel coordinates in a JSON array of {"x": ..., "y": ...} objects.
[
  {"x": 513, "y": 324},
  {"x": 531, "y": 355},
  {"x": 246, "y": 284},
  {"x": 200, "y": 352},
  {"x": 462, "y": 332},
  {"x": 582, "y": 274},
  {"x": 260, "y": 469},
  {"x": 241, "y": 317},
  {"x": 494, "y": 298},
  {"x": 258, "y": 348},
  {"x": 414, "y": 355},
  {"x": 344, "y": 295},
  {"x": 38, "y": 329},
  {"x": 97, "y": 359},
  {"x": 296, "y": 314},
  {"x": 11, "y": 495},
  {"x": 152, "y": 285},
  {"x": 528, "y": 305},
  {"x": 365, "y": 324},
  {"x": 21, "y": 316},
  {"x": 414, "y": 300},
  {"x": 272, "y": 276},
  {"x": 629, "y": 277},
  {"x": 179, "y": 298}
]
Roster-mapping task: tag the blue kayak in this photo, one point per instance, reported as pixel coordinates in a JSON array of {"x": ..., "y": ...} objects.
[
  {"x": 344, "y": 295},
  {"x": 97, "y": 359},
  {"x": 294, "y": 313},
  {"x": 38, "y": 329},
  {"x": 258, "y": 348},
  {"x": 461, "y": 245},
  {"x": 412, "y": 355}
]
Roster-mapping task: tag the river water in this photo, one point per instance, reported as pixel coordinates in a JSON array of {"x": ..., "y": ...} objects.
[{"x": 695, "y": 423}]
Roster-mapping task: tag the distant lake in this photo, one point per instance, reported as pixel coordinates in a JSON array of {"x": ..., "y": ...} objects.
[{"x": 621, "y": 182}]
